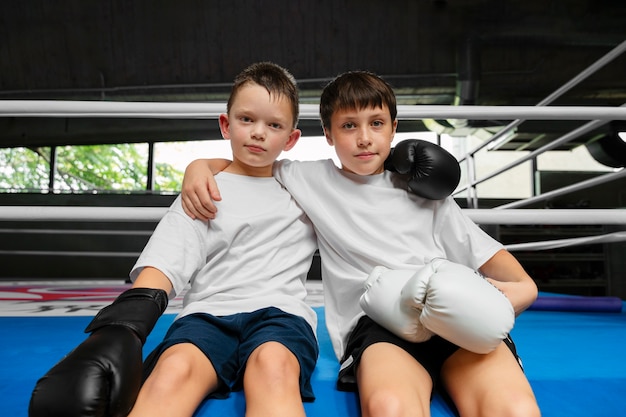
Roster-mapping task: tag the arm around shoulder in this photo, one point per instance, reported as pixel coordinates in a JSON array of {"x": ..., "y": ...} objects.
[{"x": 199, "y": 189}]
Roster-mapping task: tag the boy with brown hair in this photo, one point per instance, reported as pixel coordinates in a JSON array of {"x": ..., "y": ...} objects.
[{"x": 244, "y": 323}]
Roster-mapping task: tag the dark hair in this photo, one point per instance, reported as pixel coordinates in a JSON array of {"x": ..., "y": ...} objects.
[
  {"x": 356, "y": 90},
  {"x": 276, "y": 80}
]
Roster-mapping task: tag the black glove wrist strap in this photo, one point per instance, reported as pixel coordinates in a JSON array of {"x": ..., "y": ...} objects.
[{"x": 136, "y": 308}]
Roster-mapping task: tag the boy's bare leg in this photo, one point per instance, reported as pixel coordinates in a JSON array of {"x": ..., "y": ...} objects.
[
  {"x": 272, "y": 382},
  {"x": 489, "y": 385},
  {"x": 392, "y": 383},
  {"x": 181, "y": 379}
]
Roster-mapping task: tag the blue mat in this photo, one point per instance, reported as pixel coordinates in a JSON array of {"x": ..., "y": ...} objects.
[{"x": 575, "y": 363}]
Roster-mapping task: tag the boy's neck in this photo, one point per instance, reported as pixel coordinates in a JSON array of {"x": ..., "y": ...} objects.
[
  {"x": 379, "y": 171},
  {"x": 249, "y": 171}
]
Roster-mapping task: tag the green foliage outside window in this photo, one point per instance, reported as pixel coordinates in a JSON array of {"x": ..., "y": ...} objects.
[
  {"x": 24, "y": 169},
  {"x": 120, "y": 167}
]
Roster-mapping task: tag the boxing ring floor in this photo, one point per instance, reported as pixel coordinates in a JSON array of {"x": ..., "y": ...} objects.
[{"x": 574, "y": 360}]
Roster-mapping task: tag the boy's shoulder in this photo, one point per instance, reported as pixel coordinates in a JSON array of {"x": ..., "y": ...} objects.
[{"x": 297, "y": 164}]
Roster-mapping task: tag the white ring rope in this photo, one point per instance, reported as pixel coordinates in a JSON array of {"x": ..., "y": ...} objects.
[
  {"x": 480, "y": 216},
  {"x": 168, "y": 110},
  {"x": 93, "y": 214},
  {"x": 547, "y": 216},
  {"x": 563, "y": 243},
  {"x": 154, "y": 214},
  {"x": 536, "y": 246}
]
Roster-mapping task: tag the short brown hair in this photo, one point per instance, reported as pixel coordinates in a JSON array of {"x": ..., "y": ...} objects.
[
  {"x": 274, "y": 78},
  {"x": 356, "y": 90}
]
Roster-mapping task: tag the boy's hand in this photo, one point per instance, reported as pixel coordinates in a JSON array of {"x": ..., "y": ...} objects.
[{"x": 199, "y": 190}]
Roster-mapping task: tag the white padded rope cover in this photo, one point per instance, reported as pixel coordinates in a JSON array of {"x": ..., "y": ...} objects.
[
  {"x": 480, "y": 216},
  {"x": 167, "y": 110},
  {"x": 58, "y": 108},
  {"x": 562, "y": 243},
  {"x": 151, "y": 214}
]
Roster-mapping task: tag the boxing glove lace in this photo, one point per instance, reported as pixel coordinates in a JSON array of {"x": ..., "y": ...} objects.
[{"x": 102, "y": 376}]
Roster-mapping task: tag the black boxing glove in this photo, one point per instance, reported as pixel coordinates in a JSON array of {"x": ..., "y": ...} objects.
[
  {"x": 102, "y": 376},
  {"x": 433, "y": 172}
]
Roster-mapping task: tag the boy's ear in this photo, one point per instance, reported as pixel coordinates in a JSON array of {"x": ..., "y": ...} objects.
[
  {"x": 329, "y": 139},
  {"x": 293, "y": 139},
  {"x": 395, "y": 127},
  {"x": 224, "y": 126}
]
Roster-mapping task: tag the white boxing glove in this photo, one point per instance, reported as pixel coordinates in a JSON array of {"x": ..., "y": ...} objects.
[
  {"x": 444, "y": 298},
  {"x": 383, "y": 303},
  {"x": 461, "y": 306}
]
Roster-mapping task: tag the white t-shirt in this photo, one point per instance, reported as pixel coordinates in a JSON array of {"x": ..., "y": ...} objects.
[
  {"x": 365, "y": 221},
  {"x": 256, "y": 253}
]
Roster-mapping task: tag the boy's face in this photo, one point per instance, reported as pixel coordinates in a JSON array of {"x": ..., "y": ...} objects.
[
  {"x": 259, "y": 127},
  {"x": 362, "y": 138}
]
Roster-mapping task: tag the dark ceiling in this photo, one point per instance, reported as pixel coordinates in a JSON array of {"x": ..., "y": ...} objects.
[{"x": 481, "y": 52}]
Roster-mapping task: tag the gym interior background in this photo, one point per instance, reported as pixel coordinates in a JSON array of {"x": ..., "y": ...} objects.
[{"x": 437, "y": 52}]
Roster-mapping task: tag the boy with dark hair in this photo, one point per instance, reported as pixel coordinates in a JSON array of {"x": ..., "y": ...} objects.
[{"x": 364, "y": 219}]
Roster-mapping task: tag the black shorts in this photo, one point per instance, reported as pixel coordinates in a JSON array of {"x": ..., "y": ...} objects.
[{"x": 430, "y": 354}]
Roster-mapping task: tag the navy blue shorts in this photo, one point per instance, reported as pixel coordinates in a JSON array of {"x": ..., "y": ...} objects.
[
  {"x": 228, "y": 341},
  {"x": 430, "y": 354}
]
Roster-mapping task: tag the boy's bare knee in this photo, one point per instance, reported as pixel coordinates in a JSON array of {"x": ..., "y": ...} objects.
[
  {"x": 273, "y": 363},
  {"x": 174, "y": 368},
  {"x": 383, "y": 403},
  {"x": 511, "y": 406},
  {"x": 521, "y": 406},
  {"x": 168, "y": 378}
]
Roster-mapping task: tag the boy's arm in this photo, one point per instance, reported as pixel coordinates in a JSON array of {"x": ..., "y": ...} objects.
[
  {"x": 432, "y": 172},
  {"x": 199, "y": 188},
  {"x": 150, "y": 277},
  {"x": 505, "y": 272}
]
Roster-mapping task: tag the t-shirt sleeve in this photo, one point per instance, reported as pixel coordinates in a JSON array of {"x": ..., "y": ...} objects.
[
  {"x": 175, "y": 248},
  {"x": 463, "y": 240},
  {"x": 281, "y": 169},
  {"x": 295, "y": 174}
]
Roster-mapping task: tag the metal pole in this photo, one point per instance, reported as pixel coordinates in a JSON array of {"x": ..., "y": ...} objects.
[
  {"x": 565, "y": 190},
  {"x": 500, "y": 139}
]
